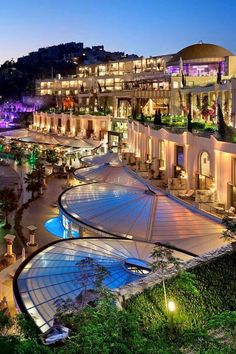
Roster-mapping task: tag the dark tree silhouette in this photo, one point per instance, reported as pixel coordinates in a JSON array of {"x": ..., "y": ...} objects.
[
  {"x": 189, "y": 122},
  {"x": 219, "y": 74},
  {"x": 142, "y": 118},
  {"x": 221, "y": 123},
  {"x": 157, "y": 118},
  {"x": 8, "y": 203},
  {"x": 33, "y": 183},
  {"x": 90, "y": 277},
  {"x": 205, "y": 106}
]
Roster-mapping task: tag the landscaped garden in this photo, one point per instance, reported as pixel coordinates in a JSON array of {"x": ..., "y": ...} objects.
[
  {"x": 179, "y": 121},
  {"x": 203, "y": 320},
  {"x": 178, "y": 124}
]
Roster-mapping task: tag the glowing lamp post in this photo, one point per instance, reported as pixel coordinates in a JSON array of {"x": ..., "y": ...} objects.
[
  {"x": 171, "y": 310},
  {"x": 9, "y": 256},
  {"x": 32, "y": 246}
]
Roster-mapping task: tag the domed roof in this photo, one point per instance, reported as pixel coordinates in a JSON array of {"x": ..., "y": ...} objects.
[
  {"x": 126, "y": 211},
  {"x": 200, "y": 51},
  {"x": 63, "y": 269}
]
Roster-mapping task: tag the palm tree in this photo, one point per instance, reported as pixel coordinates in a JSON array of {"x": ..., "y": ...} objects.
[
  {"x": 52, "y": 157},
  {"x": 8, "y": 203},
  {"x": 32, "y": 181},
  {"x": 40, "y": 170},
  {"x": 19, "y": 155},
  {"x": 163, "y": 259}
]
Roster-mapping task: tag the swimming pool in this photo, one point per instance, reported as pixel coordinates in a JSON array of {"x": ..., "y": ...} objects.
[{"x": 55, "y": 227}]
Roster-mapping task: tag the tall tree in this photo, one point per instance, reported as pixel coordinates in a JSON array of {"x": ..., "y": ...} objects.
[
  {"x": 19, "y": 155},
  {"x": 205, "y": 106},
  {"x": 142, "y": 118},
  {"x": 8, "y": 203},
  {"x": 219, "y": 74},
  {"x": 157, "y": 118},
  {"x": 221, "y": 123},
  {"x": 189, "y": 122},
  {"x": 33, "y": 183},
  {"x": 52, "y": 157},
  {"x": 163, "y": 258},
  {"x": 41, "y": 173},
  {"x": 134, "y": 111},
  {"x": 90, "y": 276}
]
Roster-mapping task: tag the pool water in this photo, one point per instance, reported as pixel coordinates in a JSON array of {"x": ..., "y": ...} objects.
[{"x": 55, "y": 227}]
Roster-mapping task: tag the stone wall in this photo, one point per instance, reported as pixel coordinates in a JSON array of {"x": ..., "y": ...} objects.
[{"x": 137, "y": 287}]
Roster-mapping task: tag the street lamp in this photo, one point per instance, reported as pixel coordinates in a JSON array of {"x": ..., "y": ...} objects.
[{"x": 171, "y": 310}]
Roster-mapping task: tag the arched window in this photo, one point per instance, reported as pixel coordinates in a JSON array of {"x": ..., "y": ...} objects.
[{"x": 204, "y": 164}]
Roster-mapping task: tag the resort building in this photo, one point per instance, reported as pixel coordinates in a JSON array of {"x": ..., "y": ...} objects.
[
  {"x": 129, "y": 87},
  {"x": 186, "y": 161},
  {"x": 83, "y": 126}
]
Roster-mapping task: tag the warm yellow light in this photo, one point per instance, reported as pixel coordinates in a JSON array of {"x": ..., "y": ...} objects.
[{"x": 171, "y": 306}]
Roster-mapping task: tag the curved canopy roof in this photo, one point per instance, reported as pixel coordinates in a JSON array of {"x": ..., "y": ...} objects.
[
  {"x": 129, "y": 211},
  {"x": 115, "y": 174},
  {"x": 110, "y": 157},
  {"x": 200, "y": 51},
  {"x": 35, "y": 137},
  {"x": 54, "y": 274}
]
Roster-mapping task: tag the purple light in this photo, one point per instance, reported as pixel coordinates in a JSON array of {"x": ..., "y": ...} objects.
[{"x": 10, "y": 111}]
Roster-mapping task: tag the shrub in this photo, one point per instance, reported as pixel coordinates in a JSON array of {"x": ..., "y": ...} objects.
[{"x": 198, "y": 125}]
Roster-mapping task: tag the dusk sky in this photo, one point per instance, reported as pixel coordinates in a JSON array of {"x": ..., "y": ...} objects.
[{"x": 144, "y": 27}]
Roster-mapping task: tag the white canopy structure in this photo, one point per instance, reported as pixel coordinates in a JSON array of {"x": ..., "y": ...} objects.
[
  {"x": 114, "y": 174},
  {"x": 52, "y": 276},
  {"x": 129, "y": 211},
  {"x": 51, "y": 139},
  {"x": 110, "y": 157}
]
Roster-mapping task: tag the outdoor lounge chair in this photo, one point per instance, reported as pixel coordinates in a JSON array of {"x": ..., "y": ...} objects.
[
  {"x": 230, "y": 211},
  {"x": 189, "y": 193}
]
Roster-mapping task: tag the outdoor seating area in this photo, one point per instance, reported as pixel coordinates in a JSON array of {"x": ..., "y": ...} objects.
[{"x": 187, "y": 194}]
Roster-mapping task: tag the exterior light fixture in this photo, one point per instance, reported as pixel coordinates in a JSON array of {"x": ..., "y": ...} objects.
[
  {"x": 171, "y": 306},
  {"x": 171, "y": 310}
]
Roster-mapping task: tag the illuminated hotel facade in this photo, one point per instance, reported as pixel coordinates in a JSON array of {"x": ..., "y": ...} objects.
[
  {"x": 186, "y": 161},
  {"x": 145, "y": 85},
  {"x": 207, "y": 72}
]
